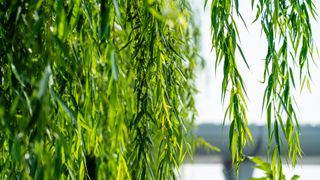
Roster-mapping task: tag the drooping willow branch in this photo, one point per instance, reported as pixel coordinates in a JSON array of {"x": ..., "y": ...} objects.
[
  {"x": 225, "y": 37},
  {"x": 286, "y": 24},
  {"x": 157, "y": 77}
]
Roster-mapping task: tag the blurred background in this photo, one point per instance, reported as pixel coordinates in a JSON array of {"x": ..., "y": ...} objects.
[{"x": 211, "y": 109}]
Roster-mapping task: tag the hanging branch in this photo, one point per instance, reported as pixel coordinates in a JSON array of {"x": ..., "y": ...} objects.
[
  {"x": 225, "y": 35},
  {"x": 288, "y": 23}
]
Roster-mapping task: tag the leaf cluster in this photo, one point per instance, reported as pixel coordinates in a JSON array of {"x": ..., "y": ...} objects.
[{"x": 286, "y": 26}]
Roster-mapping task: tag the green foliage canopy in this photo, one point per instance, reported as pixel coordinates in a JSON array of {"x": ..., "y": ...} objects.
[{"x": 99, "y": 89}]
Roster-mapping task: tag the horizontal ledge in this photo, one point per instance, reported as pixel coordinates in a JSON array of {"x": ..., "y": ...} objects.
[{"x": 218, "y": 136}]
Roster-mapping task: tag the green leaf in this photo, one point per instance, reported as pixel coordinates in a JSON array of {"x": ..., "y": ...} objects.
[
  {"x": 75, "y": 14},
  {"x": 16, "y": 74},
  {"x": 243, "y": 57},
  {"x": 114, "y": 65},
  {"x": 295, "y": 177},
  {"x": 70, "y": 112}
]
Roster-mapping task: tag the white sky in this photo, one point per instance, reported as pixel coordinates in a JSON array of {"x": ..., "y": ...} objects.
[{"x": 254, "y": 45}]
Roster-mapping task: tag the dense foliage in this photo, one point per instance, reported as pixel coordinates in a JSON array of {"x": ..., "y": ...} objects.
[{"x": 97, "y": 89}]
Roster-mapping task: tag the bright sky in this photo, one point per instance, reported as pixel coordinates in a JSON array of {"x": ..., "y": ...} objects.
[{"x": 254, "y": 45}]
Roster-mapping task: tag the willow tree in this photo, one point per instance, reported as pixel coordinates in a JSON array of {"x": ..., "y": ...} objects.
[
  {"x": 101, "y": 89},
  {"x": 96, "y": 89}
]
